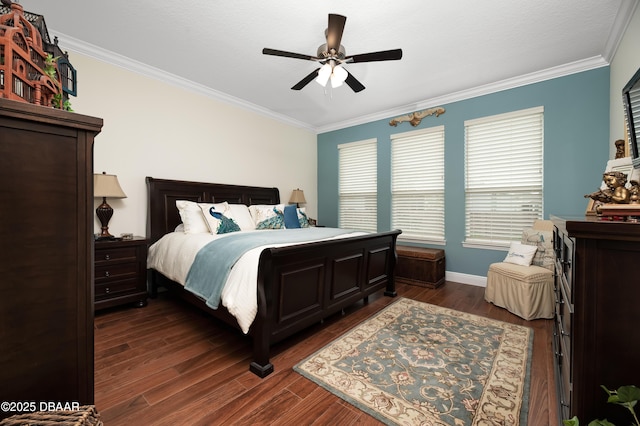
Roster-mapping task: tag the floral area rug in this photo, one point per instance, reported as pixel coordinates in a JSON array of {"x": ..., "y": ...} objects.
[{"x": 418, "y": 364}]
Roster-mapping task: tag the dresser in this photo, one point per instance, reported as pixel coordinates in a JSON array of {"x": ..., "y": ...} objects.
[
  {"x": 120, "y": 272},
  {"x": 46, "y": 261},
  {"x": 597, "y": 319}
]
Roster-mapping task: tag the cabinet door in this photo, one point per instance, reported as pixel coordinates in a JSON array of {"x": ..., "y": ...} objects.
[{"x": 567, "y": 260}]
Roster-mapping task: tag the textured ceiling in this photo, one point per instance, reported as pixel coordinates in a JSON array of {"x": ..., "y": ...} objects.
[{"x": 452, "y": 49}]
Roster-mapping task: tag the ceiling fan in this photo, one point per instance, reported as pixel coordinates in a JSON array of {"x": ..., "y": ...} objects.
[{"x": 332, "y": 56}]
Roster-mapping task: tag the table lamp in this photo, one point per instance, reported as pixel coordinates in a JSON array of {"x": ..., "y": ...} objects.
[
  {"x": 297, "y": 197},
  {"x": 104, "y": 186}
]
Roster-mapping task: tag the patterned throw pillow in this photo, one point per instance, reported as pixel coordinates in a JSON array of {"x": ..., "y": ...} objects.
[
  {"x": 268, "y": 217},
  {"x": 302, "y": 218},
  {"x": 219, "y": 223},
  {"x": 543, "y": 240},
  {"x": 274, "y": 222}
]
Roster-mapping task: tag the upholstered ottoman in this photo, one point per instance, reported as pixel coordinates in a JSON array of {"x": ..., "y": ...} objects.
[{"x": 526, "y": 291}]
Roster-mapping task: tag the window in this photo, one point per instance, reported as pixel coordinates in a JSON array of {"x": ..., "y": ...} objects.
[
  {"x": 503, "y": 176},
  {"x": 358, "y": 185},
  {"x": 417, "y": 184}
]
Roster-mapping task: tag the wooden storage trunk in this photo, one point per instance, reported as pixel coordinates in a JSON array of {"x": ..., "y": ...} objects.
[{"x": 420, "y": 266}]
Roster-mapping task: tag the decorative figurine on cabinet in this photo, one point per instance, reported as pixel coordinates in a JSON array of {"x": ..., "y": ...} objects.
[
  {"x": 634, "y": 191},
  {"x": 34, "y": 69},
  {"x": 616, "y": 192}
]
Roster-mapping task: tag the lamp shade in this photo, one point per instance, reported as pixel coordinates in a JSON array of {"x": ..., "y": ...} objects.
[
  {"x": 105, "y": 185},
  {"x": 297, "y": 197}
]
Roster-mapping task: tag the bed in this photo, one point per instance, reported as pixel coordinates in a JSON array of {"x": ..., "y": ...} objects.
[{"x": 336, "y": 273}]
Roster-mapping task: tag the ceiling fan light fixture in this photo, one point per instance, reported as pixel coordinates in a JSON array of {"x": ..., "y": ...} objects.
[
  {"x": 338, "y": 76},
  {"x": 323, "y": 74},
  {"x": 331, "y": 55}
]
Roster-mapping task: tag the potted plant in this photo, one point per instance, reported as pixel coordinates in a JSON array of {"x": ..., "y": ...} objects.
[{"x": 626, "y": 396}]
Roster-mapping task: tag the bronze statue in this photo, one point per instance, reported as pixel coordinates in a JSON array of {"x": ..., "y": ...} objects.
[
  {"x": 615, "y": 192},
  {"x": 620, "y": 148},
  {"x": 634, "y": 192}
]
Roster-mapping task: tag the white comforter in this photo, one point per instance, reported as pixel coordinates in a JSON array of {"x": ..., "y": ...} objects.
[{"x": 174, "y": 253}]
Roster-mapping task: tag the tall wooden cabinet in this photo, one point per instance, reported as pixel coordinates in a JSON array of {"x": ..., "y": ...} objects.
[
  {"x": 46, "y": 255},
  {"x": 597, "y": 322}
]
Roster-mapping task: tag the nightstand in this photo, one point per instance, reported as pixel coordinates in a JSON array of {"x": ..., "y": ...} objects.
[{"x": 120, "y": 272}]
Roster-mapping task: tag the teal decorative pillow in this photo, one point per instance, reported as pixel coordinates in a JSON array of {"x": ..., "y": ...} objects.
[{"x": 291, "y": 217}]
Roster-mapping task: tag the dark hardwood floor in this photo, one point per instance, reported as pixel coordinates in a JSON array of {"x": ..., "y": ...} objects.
[{"x": 169, "y": 364}]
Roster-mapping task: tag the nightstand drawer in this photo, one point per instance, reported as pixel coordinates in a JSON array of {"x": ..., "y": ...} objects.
[
  {"x": 115, "y": 288},
  {"x": 115, "y": 254},
  {"x": 115, "y": 271}
]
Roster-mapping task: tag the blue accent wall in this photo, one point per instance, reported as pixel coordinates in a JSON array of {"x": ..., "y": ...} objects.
[{"x": 576, "y": 150}]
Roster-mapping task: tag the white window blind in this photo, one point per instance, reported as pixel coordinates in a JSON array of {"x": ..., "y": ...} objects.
[
  {"x": 634, "y": 102},
  {"x": 358, "y": 185},
  {"x": 417, "y": 184},
  {"x": 503, "y": 176}
]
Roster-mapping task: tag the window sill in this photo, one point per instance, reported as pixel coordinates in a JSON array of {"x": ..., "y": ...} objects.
[
  {"x": 417, "y": 240},
  {"x": 487, "y": 246}
]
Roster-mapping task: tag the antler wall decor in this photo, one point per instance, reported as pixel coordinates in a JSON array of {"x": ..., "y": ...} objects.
[{"x": 416, "y": 117}]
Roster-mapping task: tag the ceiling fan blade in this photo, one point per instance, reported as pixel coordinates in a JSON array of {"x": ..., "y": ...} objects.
[
  {"x": 275, "y": 52},
  {"x": 352, "y": 82},
  {"x": 334, "y": 31},
  {"x": 385, "y": 55},
  {"x": 308, "y": 79}
]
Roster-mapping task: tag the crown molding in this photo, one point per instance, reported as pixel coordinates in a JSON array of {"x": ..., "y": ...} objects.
[
  {"x": 81, "y": 47},
  {"x": 620, "y": 24},
  {"x": 78, "y": 46},
  {"x": 523, "y": 80}
]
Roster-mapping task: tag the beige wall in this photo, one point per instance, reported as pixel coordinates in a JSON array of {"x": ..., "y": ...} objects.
[
  {"x": 624, "y": 64},
  {"x": 156, "y": 128}
]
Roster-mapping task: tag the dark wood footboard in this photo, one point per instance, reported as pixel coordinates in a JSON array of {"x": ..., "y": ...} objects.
[
  {"x": 300, "y": 285},
  {"x": 297, "y": 285}
]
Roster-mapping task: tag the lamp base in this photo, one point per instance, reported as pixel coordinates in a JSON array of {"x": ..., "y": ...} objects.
[{"x": 104, "y": 213}]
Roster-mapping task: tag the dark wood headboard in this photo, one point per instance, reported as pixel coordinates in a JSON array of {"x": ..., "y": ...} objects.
[{"x": 162, "y": 213}]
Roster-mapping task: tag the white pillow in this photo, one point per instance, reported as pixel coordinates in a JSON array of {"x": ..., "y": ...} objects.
[
  {"x": 192, "y": 218},
  {"x": 240, "y": 213},
  {"x": 520, "y": 254}
]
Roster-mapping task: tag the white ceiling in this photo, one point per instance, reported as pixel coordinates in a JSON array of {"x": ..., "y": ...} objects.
[{"x": 452, "y": 50}]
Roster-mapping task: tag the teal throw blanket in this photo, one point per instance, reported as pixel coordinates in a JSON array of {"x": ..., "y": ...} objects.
[{"x": 210, "y": 269}]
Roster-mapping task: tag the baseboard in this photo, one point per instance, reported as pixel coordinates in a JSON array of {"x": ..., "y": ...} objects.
[{"x": 458, "y": 277}]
